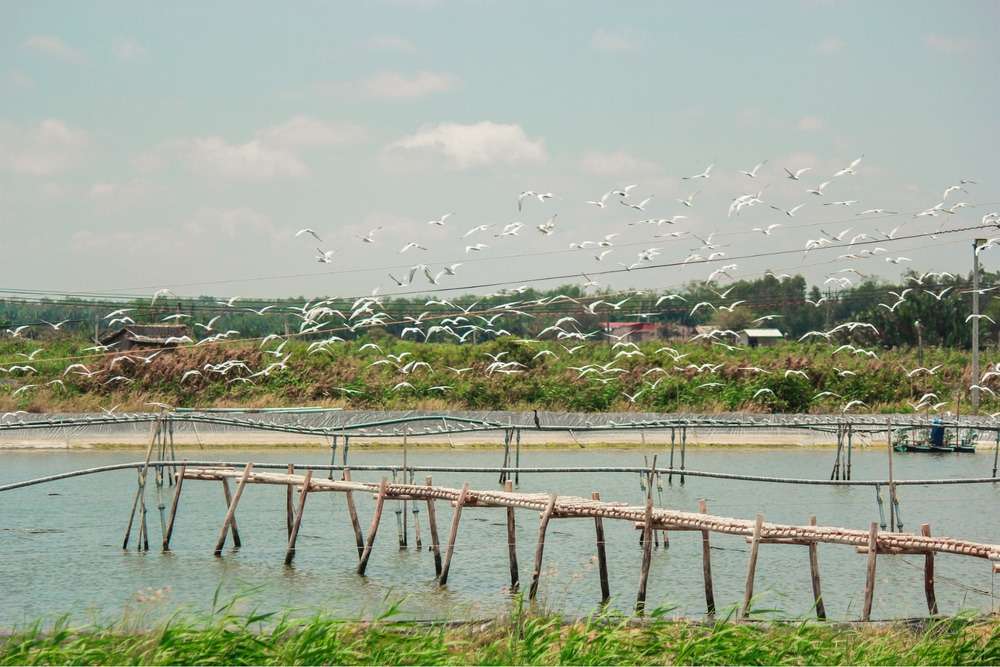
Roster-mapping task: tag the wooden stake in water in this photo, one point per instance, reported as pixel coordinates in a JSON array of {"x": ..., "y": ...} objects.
[
  {"x": 752, "y": 566},
  {"x": 352, "y": 511},
  {"x": 866, "y": 612},
  {"x": 706, "y": 563},
  {"x": 173, "y": 507},
  {"x": 602, "y": 558},
  {"x": 230, "y": 519},
  {"x": 511, "y": 542},
  {"x": 303, "y": 492},
  {"x": 373, "y": 529},
  {"x": 814, "y": 575},
  {"x": 237, "y": 542},
  {"x": 543, "y": 525},
  {"x": 453, "y": 534},
  {"x": 647, "y": 552},
  {"x": 289, "y": 511},
  {"x": 432, "y": 524},
  {"x": 932, "y": 607}
]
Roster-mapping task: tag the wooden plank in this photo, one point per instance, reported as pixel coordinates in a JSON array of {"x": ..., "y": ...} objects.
[
  {"x": 647, "y": 552},
  {"x": 602, "y": 558},
  {"x": 453, "y": 534},
  {"x": 932, "y": 607},
  {"x": 706, "y": 563},
  {"x": 237, "y": 542},
  {"x": 432, "y": 524},
  {"x": 230, "y": 519},
  {"x": 352, "y": 510},
  {"x": 515, "y": 582},
  {"x": 303, "y": 492},
  {"x": 173, "y": 508},
  {"x": 543, "y": 524},
  {"x": 866, "y": 612},
  {"x": 752, "y": 566},
  {"x": 814, "y": 576},
  {"x": 373, "y": 529}
]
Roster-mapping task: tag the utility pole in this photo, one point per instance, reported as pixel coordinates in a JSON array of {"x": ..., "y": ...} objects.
[{"x": 976, "y": 244}]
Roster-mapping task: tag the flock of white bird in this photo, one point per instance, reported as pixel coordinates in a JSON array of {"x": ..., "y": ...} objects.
[{"x": 320, "y": 322}]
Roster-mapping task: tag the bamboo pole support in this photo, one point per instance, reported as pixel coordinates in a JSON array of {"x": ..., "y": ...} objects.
[
  {"x": 173, "y": 507},
  {"x": 752, "y": 566},
  {"x": 706, "y": 563},
  {"x": 432, "y": 525},
  {"x": 602, "y": 558},
  {"x": 814, "y": 575},
  {"x": 543, "y": 525},
  {"x": 303, "y": 492},
  {"x": 352, "y": 511},
  {"x": 932, "y": 607},
  {"x": 237, "y": 542},
  {"x": 141, "y": 487},
  {"x": 866, "y": 612},
  {"x": 647, "y": 553},
  {"x": 373, "y": 529},
  {"x": 416, "y": 520},
  {"x": 289, "y": 511},
  {"x": 511, "y": 542},
  {"x": 453, "y": 534},
  {"x": 230, "y": 519}
]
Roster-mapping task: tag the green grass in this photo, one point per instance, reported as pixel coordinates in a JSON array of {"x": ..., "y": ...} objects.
[
  {"x": 344, "y": 377},
  {"x": 520, "y": 638}
]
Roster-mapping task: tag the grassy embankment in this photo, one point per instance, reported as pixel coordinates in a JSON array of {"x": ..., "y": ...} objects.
[
  {"x": 519, "y": 639},
  {"x": 343, "y": 378}
]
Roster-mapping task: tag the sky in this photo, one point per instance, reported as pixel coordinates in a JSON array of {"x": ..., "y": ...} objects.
[{"x": 182, "y": 145}]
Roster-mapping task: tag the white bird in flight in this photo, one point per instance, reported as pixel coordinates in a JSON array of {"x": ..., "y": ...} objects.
[{"x": 308, "y": 231}]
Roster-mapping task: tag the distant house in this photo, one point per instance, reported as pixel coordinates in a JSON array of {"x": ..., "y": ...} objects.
[
  {"x": 633, "y": 332},
  {"x": 145, "y": 336},
  {"x": 761, "y": 337}
]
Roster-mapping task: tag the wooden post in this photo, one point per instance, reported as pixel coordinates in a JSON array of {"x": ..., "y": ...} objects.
[
  {"x": 673, "y": 439},
  {"x": 416, "y": 520},
  {"x": 814, "y": 574},
  {"x": 237, "y": 542},
  {"x": 289, "y": 512},
  {"x": 506, "y": 455},
  {"x": 517, "y": 459},
  {"x": 706, "y": 563},
  {"x": 511, "y": 543},
  {"x": 684, "y": 440},
  {"x": 602, "y": 558},
  {"x": 850, "y": 446},
  {"x": 932, "y": 607},
  {"x": 352, "y": 510},
  {"x": 432, "y": 523},
  {"x": 647, "y": 553},
  {"x": 453, "y": 534},
  {"x": 173, "y": 507},
  {"x": 866, "y": 613},
  {"x": 404, "y": 535},
  {"x": 373, "y": 529},
  {"x": 303, "y": 492},
  {"x": 752, "y": 566},
  {"x": 892, "y": 485},
  {"x": 543, "y": 524},
  {"x": 140, "y": 491},
  {"x": 231, "y": 512}
]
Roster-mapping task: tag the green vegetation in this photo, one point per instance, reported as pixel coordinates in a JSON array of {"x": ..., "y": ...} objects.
[
  {"x": 520, "y": 639},
  {"x": 343, "y": 376}
]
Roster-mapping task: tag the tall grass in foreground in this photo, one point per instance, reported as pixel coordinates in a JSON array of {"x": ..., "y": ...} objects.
[{"x": 518, "y": 639}]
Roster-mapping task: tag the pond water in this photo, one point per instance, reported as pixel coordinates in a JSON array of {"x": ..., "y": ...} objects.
[{"x": 60, "y": 543}]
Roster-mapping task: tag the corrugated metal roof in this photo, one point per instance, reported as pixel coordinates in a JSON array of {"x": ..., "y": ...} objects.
[{"x": 763, "y": 333}]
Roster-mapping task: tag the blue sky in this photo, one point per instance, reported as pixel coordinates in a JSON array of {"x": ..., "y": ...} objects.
[{"x": 182, "y": 145}]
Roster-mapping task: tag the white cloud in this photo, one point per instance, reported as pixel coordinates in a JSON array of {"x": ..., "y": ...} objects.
[
  {"x": 305, "y": 131},
  {"x": 47, "y": 148},
  {"x": 230, "y": 223},
  {"x": 394, "y": 85},
  {"x": 621, "y": 39},
  {"x": 391, "y": 43},
  {"x": 830, "y": 46},
  {"x": 53, "y": 46},
  {"x": 949, "y": 44},
  {"x": 615, "y": 163},
  {"x": 476, "y": 144},
  {"x": 251, "y": 161},
  {"x": 274, "y": 153},
  {"x": 810, "y": 123},
  {"x": 129, "y": 50}
]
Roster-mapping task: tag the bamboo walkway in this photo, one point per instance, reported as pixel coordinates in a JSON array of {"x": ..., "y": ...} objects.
[{"x": 648, "y": 519}]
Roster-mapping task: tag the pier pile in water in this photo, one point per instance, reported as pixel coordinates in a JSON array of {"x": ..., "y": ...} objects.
[{"x": 551, "y": 506}]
